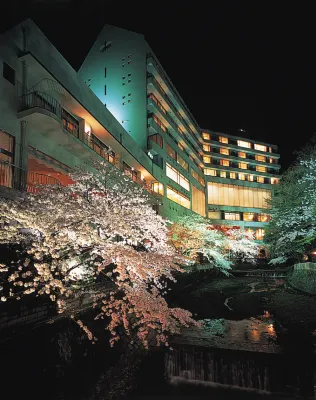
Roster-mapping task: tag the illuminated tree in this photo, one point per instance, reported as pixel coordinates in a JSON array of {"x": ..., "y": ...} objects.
[
  {"x": 194, "y": 237},
  {"x": 102, "y": 224},
  {"x": 292, "y": 230}
]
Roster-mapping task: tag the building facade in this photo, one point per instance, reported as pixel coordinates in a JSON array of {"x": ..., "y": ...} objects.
[{"x": 53, "y": 118}]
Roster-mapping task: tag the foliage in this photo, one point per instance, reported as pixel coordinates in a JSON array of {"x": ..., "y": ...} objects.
[
  {"x": 193, "y": 236},
  {"x": 104, "y": 224},
  {"x": 292, "y": 230}
]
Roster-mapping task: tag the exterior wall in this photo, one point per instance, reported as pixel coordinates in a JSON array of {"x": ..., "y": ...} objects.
[{"x": 121, "y": 69}]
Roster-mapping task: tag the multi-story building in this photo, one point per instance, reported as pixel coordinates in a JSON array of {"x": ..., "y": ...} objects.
[{"x": 53, "y": 118}]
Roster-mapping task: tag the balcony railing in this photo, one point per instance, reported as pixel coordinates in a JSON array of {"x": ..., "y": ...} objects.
[
  {"x": 69, "y": 123},
  {"x": 19, "y": 179}
]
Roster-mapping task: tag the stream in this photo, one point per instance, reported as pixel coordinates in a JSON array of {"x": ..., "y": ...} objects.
[{"x": 257, "y": 339}]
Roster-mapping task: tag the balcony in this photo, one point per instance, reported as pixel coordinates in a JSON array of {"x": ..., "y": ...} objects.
[{"x": 14, "y": 180}]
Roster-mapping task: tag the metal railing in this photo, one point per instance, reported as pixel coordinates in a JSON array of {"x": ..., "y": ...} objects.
[
  {"x": 14, "y": 177},
  {"x": 49, "y": 103}
]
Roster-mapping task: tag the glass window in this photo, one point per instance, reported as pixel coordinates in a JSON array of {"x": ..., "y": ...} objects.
[
  {"x": 6, "y": 159},
  {"x": 250, "y": 178},
  {"x": 273, "y": 160},
  {"x": 222, "y": 174},
  {"x": 274, "y": 181},
  {"x": 177, "y": 197},
  {"x": 241, "y": 154},
  {"x": 260, "y": 234},
  {"x": 258, "y": 157},
  {"x": 261, "y": 168},
  {"x": 157, "y": 187},
  {"x": 242, "y": 177},
  {"x": 248, "y": 216},
  {"x": 214, "y": 215},
  {"x": 242, "y": 143},
  {"x": 251, "y": 232},
  {"x": 8, "y": 73},
  {"x": 183, "y": 163},
  {"x": 224, "y": 163},
  {"x": 224, "y": 151},
  {"x": 263, "y": 218},
  {"x": 209, "y": 171},
  {"x": 232, "y": 175},
  {"x": 157, "y": 139},
  {"x": 207, "y": 159},
  {"x": 223, "y": 139},
  {"x": 242, "y": 165},
  {"x": 260, "y": 179},
  {"x": 175, "y": 175},
  {"x": 202, "y": 181},
  {"x": 206, "y": 147},
  {"x": 172, "y": 153},
  {"x": 232, "y": 216},
  {"x": 236, "y": 195},
  {"x": 206, "y": 136},
  {"x": 180, "y": 146},
  {"x": 198, "y": 201},
  {"x": 260, "y": 147}
]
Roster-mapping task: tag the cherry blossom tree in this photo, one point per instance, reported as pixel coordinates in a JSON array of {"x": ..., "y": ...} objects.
[
  {"x": 102, "y": 224},
  {"x": 292, "y": 230},
  {"x": 194, "y": 236}
]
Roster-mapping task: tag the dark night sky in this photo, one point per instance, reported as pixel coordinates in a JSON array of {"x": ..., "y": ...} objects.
[{"x": 236, "y": 64}]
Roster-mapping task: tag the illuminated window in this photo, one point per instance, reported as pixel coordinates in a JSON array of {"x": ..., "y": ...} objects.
[
  {"x": 180, "y": 130},
  {"x": 198, "y": 201},
  {"x": 6, "y": 159},
  {"x": 157, "y": 139},
  {"x": 183, "y": 163},
  {"x": 237, "y": 196},
  {"x": 250, "y": 178},
  {"x": 270, "y": 149},
  {"x": 241, "y": 143},
  {"x": 249, "y": 216},
  {"x": 263, "y": 218},
  {"x": 223, "y": 139},
  {"x": 222, "y": 174},
  {"x": 274, "y": 181},
  {"x": 129, "y": 171},
  {"x": 232, "y": 216},
  {"x": 207, "y": 159},
  {"x": 242, "y": 177},
  {"x": 272, "y": 160},
  {"x": 224, "y": 151},
  {"x": 178, "y": 197},
  {"x": 261, "y": 168},
  {"x": 175, "y": 175},
  {"x": 250, "y": 232},
  {"x": 206, "y": 136},
  {"x": 260, "y": 147},
  {"x": 202, "y": 181},
  {"x": 209, "y": 171},
  {"x": 224, "y": 163},
  {"x": 241, "y": 154},
  {"x": 197, "y": 177},
  {"x": 232, "y": 175},
  {"x": 214, "y": 214},
  {"x": 258, "y": 157},
  {"x": 242, "y": 165},
  {"x": 180, "y": 146},
  {"x": 157, "y": 187},
  {"x": 260, "y": 234},
  {"x": 206, "y": 147},
  {"x": 171, "y": 152},
  {"x": 260, "y": 179}
]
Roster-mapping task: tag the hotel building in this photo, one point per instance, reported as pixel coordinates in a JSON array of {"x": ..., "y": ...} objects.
[{"x": 53, "y": 118}]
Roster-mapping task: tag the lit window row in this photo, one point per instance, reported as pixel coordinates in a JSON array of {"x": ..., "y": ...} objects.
[
  {"x": 175, "y": 175},
  {"x": 178, "y": 197},
  {"x": 241, "y": 165},
  {"x": 239, "y": 175},
  {"x": 240, "y": 143}
]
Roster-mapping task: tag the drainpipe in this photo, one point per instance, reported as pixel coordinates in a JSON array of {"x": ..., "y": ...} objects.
[
  {"x": 24, "y": 65},
  {"x": 23, "y": 156}
]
